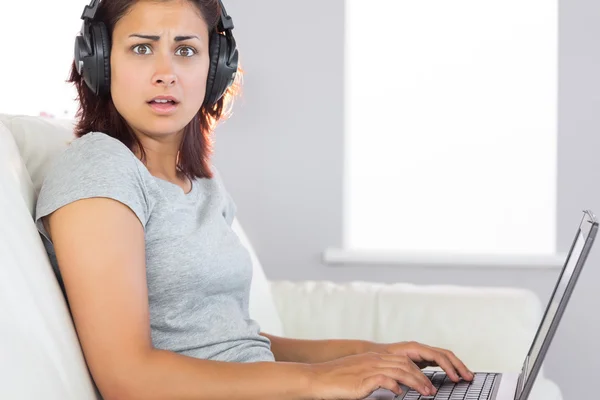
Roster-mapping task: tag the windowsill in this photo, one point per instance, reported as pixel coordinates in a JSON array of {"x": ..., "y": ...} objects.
[{"x": 341, "y": 257}]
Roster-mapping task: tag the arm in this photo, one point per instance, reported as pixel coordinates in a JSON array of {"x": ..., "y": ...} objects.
[
  {"x": 315, "y": 351},
  {"x": 100, "y": 247},
  {"x": 319, "y": 351}
]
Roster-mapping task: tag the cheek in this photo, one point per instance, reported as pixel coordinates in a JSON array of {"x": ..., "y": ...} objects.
[
  {"x": 193, "y": 84},
  {"x": 194, "y": 90},
  {"x": 125, "y": 78},
  {"x": 125, "y": 83}
]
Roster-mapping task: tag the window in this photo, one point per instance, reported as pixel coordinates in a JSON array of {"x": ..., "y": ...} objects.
[
  {"x": 451, "y": 127},
  {"x": 37, "y": 39}
]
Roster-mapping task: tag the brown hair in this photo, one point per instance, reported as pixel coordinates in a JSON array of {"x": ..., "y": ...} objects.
[{"x": 98, "y": 113}]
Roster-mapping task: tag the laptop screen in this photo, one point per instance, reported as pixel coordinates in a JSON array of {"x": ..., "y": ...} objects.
[
  {"x": 559, "y": 292},
  {"x": 559, "y": 298}
]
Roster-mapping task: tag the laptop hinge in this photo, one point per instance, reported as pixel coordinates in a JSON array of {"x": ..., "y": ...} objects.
[{"x": 521, "y": 380}]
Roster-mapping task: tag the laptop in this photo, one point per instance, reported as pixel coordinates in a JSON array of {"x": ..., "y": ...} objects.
[{"x": 513, "y": 386}]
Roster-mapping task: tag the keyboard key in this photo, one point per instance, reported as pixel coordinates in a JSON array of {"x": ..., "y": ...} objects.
[{"x": 480, "y": 388}]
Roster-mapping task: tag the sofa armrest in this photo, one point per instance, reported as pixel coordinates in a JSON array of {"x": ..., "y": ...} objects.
[{"x": 489, "y": 328}]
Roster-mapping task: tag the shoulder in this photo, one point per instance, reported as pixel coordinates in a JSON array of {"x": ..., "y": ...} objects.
[
  {"x": 231, "y": 206},
  {"x": 94, "y": 155},
  {"x": 97, "y": 147},
  {"x": 217, "y": 180},
  {"x": 95, "y": 165}
]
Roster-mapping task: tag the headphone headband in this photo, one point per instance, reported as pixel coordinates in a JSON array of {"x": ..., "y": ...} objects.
[
  {"x": 89, "y": 12},
  {"x": 225, "y": 22}
]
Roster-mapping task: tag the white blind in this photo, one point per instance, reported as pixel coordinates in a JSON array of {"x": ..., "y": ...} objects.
[
  {"x": 450, "y": 124},
  {"x": 37, "y": 39}
]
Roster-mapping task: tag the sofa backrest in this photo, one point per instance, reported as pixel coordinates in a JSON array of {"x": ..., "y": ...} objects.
[{"x": 40, "y": 356}]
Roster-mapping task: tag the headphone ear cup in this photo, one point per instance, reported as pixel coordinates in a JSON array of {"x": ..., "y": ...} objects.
[
  {"x": 101, "y": 43},
  {"x": 214, "y": 50},
  {"x": 223, "y": 67}
]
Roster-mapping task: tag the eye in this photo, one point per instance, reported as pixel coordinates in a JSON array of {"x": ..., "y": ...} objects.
[
  {"x": 185, "y": 51},
  {"x": 142, "y": 49}
]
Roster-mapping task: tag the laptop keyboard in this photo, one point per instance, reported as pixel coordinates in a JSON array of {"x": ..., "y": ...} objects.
[{"x": 478, "y": 389}]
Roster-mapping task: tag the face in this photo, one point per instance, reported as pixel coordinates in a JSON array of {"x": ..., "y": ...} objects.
[{"x": 159, "y": 49}]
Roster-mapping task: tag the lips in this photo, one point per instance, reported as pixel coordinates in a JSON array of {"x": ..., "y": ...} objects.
[
  {"x": 164, "y": 100},
  {"x": 163, "y": 105}
]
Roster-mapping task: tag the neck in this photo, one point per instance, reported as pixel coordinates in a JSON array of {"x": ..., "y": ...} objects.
[{"x": 162, "y": 155}]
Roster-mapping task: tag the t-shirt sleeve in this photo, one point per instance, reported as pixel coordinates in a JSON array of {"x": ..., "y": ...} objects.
[{"x": 95, "y": 166}]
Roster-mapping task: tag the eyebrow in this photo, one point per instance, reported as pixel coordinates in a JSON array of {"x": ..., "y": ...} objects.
[{"x": 157, "y": 38}]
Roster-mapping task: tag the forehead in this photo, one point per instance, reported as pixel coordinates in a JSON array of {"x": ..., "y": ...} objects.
[{"x": 152, "y": 16}]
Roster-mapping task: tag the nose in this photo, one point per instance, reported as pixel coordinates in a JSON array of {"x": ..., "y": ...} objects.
[{"x": 165, "y": 73}]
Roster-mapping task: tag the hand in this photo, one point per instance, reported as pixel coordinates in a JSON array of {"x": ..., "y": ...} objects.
[
  {"x": 427, "y": 356},
  {"x": 357, "y": 376}
]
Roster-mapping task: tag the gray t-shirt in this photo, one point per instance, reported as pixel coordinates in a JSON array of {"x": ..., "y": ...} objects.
[{"x": 198, "y": 272}]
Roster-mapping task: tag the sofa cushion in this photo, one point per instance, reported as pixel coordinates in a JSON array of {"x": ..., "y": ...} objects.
[
  {"x": 39, "y": 141},
  {"x": 262, "y": 306}
]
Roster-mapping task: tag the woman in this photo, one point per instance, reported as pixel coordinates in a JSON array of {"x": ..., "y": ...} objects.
[{"x": 138, "y": 226}]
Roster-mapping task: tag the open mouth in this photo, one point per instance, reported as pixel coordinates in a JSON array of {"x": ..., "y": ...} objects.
[
  {"x": 172, "y": 102},
  {"x": 163, "y": 105}
]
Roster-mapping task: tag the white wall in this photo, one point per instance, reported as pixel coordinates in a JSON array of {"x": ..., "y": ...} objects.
[
  {"x": 40, "y": 48},
  {"x": 281, "y": 155}
]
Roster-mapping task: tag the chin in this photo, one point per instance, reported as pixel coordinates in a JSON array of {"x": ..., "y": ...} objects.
[{"x": 162, "y": 126}]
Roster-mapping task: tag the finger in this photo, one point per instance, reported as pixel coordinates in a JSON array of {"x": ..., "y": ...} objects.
[
  {"x": 462, "y": 369},
  {"x": 440, "y": 358},
  {"x": 402, "y": 359},
  {"x": 382, "y": 381},
  {"x": 409, "y": 378},
  {"x": 394, "y": 357},
  {"x": 410, "y": 368}
]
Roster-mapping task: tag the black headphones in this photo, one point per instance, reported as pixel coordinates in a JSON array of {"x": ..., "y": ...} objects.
[{"x": 92, "y": 55}]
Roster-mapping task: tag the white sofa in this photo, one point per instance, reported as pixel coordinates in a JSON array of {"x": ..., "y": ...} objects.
[{"x": 40, "y": 357}]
